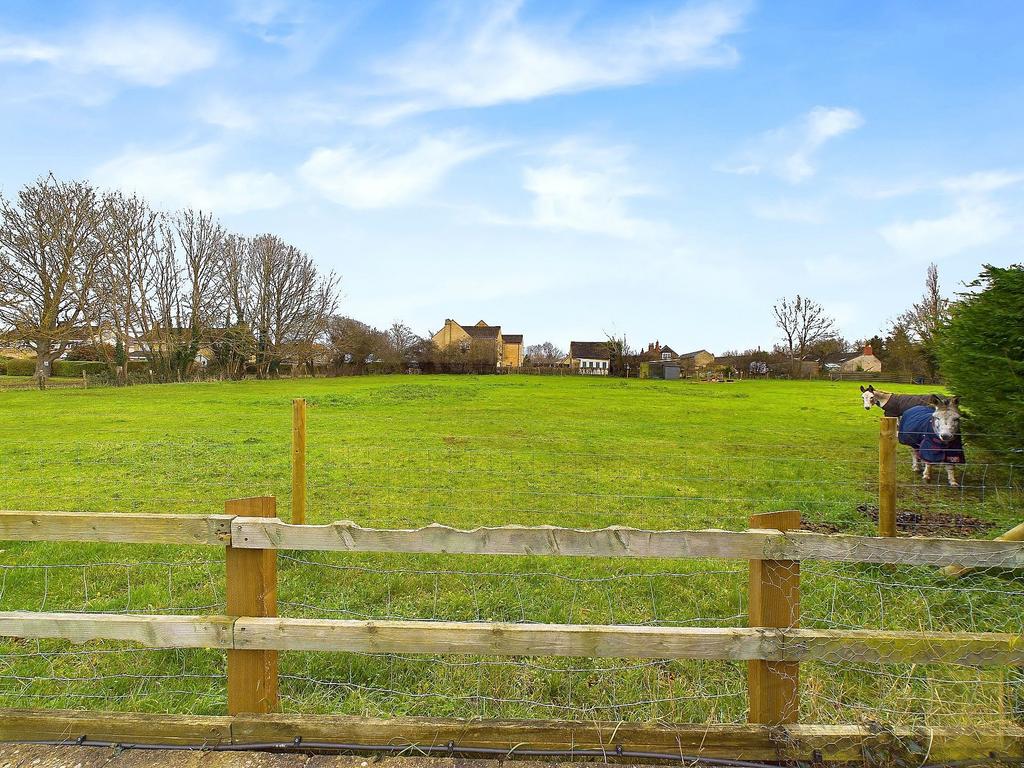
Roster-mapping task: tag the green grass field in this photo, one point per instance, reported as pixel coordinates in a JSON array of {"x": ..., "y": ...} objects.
[{"x": 468, "y": 451}]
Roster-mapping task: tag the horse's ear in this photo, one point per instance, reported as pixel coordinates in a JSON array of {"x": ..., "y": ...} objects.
[
  {"x": 862, "y": 388},
  {"x": 934, "y": 400},
  {"x": 955, "y": 401}
]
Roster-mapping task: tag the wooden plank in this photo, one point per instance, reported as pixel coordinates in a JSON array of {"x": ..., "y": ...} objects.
[
  {"x": 125, "y": 727},
  {"x": 346, "y": 536},
  {"x": 744, "y": 742},
  {"x": 127, "y": 527},
  {"x": 251, "y": 576},
  {"x": 622, "y": 641},
  {"x": 1014, "y": 534},
  {"x": 615, "y": 541},
  {"x": 887, "y": 476},
  {"x": 800, "y": 545},
  {"x": 299, "y": 461},
  {"x": 148, "y": 631},
  {"x": 453, "y": 637},
  {"x": 773, "y": 687},
  {"x": 248, "y": 635},
  {"x": 977, "y": 649}
]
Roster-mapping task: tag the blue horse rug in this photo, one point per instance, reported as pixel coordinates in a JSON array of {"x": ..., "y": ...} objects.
[{"x": 917, "y": 432}]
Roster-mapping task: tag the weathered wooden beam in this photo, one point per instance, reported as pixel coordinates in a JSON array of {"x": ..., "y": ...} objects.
[
  {"x": 148, "y": 631},
  {"x": 125, "y": 727},
  {"x": 453, "y": 637},
  {"x": 127, "y": 528},
  {"x": 568, "y": 640},
  {"x": 755, "y": 544},
  {"x": 745, "y": 742},
  {"x": 640, "y": 642}
]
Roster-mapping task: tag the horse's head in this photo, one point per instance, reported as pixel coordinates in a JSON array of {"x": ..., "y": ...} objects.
[
  {"x": 868, "y": 396},
  {"x": 946, "y": 417}
]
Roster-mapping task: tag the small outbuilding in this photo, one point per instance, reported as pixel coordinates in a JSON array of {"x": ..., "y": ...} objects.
[{"x": 659, "y": 369}]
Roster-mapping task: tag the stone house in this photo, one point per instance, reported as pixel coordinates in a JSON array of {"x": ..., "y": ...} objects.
[
  {"x": 508, "y": 347},
  {"x": 852, "y": 362}
]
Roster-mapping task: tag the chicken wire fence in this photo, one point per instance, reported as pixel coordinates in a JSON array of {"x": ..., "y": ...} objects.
[{"x": 468, "y": 480}]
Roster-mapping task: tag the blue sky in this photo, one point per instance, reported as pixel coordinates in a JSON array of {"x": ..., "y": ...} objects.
[{"x": 567, "y": 170}]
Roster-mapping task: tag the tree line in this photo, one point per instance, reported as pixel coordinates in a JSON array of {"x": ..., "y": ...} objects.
[{"x": 79, "y": 264}]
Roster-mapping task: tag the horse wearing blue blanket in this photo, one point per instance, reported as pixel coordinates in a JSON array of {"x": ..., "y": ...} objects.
[{"x": 933, "y": 433}]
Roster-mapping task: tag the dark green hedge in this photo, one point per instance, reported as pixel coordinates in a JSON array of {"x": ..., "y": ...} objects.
[
  {"x": 981, "y": 354},
  {"x": 20, "y": 367},
  {"x": 74, "y": 368}
]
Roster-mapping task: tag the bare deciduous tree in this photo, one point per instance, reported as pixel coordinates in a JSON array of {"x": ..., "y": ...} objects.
[
  {"x": 291, "y": 302},
  {"x": 130, "y": 237},
  {"x": 926, "y": 317},
  {"x": 803, "y": 322},
  {"x": 50, "y": 251},
  {"x": 544, "y": 354}
]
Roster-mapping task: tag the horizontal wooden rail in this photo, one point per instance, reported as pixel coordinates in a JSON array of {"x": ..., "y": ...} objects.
[
  {"x": 271, "y": 533},
  {"x": 128, "y": 527},
  {"x": 150, "y": 631},
  {"x": 842, "y": 743},
  {"x": 498, "y": 639},
  {"x": 625, "y": 542}
]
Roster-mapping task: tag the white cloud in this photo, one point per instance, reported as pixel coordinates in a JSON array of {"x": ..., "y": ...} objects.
[
  {"x": 783, "y": 209},
  {"x": 586, "y": 189},
  {"x": 982, "y": 182},
  {"x": 497, "y": 57},
  {"x": 226, "y": 113},
  {"x": 143, "y": 51},
  {"x": 186, "y": 178},
  {"x": 974, "y": 222},
  {"x": 377, "y": 177},
  {"x": 23, "y": 50},
  {"x": 789, "y": 152}
]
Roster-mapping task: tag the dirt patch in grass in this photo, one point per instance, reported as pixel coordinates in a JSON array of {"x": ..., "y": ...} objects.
[{"x": 932, "y": 523}]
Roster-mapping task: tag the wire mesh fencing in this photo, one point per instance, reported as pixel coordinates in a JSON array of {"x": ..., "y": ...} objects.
[{"x": 381, "y": 471}]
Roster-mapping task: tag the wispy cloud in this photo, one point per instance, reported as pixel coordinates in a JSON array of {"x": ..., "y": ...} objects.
[
  {"x": 789, "y": 152},
  {"x": 788, "y": 209},
  {"x": 497, "y": 57},
  {"x": 189, "y": 178},
  {"x": 976, "y": 219},
  {"x": 586, "y": 188},
  {"x": 971, "y": 224},
  {"x": 379, "y": 176},
  {"x": 147, "y": 51}
]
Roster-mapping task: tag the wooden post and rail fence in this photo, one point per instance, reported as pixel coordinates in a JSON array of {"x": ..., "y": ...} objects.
[{"x": 772, "y": 644}]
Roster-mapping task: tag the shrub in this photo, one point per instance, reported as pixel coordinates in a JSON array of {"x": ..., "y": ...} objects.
[
  {"x": 74, "y": 368},
  {"x": 981, "y": 351},
  {"x": 21, "y": 367},
  {"x": 101, "y": 352}
]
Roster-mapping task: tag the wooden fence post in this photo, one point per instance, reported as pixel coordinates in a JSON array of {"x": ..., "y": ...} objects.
[
  {"x": 252, "y": 591},
  {"x": 887, "y": 476},
  {"x": 774, "y": 601},
  {"x": 298, "y": 461}
]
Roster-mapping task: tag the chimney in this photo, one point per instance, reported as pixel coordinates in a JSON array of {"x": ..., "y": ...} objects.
[
  {"x": 650, "y": 346},
  {"x": 868, "y": 350},
  {"x": 657, "y": 346}
]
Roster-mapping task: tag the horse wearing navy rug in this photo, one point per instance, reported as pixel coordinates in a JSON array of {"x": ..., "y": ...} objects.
[
  {"x": 933, "y": 434},
  {"x": 891, "y": 404}
]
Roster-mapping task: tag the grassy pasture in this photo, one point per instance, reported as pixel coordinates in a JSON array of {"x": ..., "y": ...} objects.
[{"x": 468, "y": 451}]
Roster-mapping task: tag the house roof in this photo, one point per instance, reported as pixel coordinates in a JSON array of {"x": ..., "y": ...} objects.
[
  {"x": 841, "y": 357},
  {"x": 512, "y": 338},
  {"x": 694, "y": 353},
  {"x": 482, "y": 331},
  {"x": 591, "y": 350}
]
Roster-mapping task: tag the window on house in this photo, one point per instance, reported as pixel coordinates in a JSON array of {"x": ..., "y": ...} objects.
[{"x": 666, "y": 356}]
